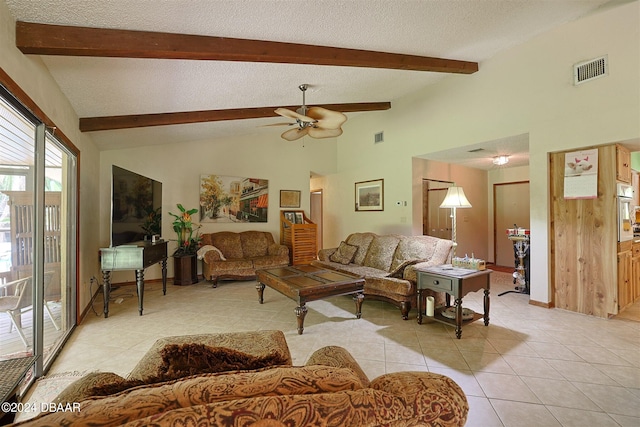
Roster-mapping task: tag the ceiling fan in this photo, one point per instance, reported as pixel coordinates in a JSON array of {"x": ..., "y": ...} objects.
[{"x": 317, "y": 122}]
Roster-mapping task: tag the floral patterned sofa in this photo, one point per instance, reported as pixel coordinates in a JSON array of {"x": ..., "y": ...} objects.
[
  {"x": 237, "y": 256},
  {"x": 330, "y": 389},
  {"x": 388, "y": 263}
]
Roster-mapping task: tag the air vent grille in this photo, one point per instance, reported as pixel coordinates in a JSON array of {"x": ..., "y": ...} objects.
[
  {"x": 378, "y": 138},
  {"x": 589, "y": 70}
]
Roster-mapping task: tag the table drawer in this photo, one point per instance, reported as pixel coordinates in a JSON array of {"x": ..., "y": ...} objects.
[{"x": 436, "y": 283}]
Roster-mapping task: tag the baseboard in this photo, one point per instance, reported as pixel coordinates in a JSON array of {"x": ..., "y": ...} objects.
[{"x": 542, "y": 304}]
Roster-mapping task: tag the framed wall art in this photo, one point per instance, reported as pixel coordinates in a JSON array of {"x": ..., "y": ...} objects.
[
  {"x": 289, "y": 198},
  {"x": 233, "y": 199},
  {"x": 370, "y": 195}
]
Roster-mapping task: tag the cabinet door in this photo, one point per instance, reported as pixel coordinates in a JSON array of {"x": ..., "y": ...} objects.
[
  {"x": 635, "y": 278},
  {"x": 625, "y": 290},
  {"x": 623, "y": 164}
]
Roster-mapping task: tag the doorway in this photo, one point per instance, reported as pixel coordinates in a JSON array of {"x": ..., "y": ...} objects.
[
  {"x": 436, "y": 222},
  {"x": 315, "y": 214},
  {"x": 510, "y": 208}
]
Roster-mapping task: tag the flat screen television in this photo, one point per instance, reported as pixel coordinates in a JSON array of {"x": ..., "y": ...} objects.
[{"x": 136, "y": 207}]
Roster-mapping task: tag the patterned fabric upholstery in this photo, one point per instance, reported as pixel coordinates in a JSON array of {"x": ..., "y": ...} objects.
[
  {"x": 243, "y": 254},
  {"x": 344, "y": 254},
  {"x": 331, "y": 389},
  {"x": 388, "y": 265},
  {"x": 256, "y": 343},
  {"x": 362, "y": 241}
]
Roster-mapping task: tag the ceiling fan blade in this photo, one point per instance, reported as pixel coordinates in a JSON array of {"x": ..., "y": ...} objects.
[
  {"x": 327, "y": 119},
  {"x": 279, "y": 124},
  {"x": 320, "y": 133},
  {"x": 297, "y": 133},
  {"x": 293, "y": 115}
]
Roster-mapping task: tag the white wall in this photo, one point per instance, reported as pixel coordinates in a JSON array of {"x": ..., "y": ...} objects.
[
  {"x": 527, "y": 89},
  {"x": 286, "y": 165},
  {"x": 34, "y": 79}
]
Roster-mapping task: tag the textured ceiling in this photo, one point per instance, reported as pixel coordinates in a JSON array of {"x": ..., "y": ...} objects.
[{"x": 469, "y": 30}]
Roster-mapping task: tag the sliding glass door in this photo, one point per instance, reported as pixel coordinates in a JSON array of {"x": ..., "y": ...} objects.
[{"x": 37, "y": 236}]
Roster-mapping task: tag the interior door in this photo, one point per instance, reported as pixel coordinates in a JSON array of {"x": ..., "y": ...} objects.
[
  {"x": 315, "y": 214},
  {"x": 511, "y": 206},
  {"x": 435, "y": 221}
]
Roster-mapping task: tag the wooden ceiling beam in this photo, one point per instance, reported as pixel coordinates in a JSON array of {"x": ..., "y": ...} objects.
[
  {"x": 92, "y": 124},
  {"x": 47, "y": 39}
]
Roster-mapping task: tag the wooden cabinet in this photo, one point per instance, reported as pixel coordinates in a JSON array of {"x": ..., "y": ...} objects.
[
  {"x": 299, "y": 234},
  {"x": 623, "y": 164},
  {"x": 635, "y": 271},
  {"x": 625, "y": 288}
]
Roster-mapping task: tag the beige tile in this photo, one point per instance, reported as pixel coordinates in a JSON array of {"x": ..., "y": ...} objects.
[
  {"x": 505, "y": 387},
  {"x": 519, "y": 414},
  {"x": 559, "y": 393},
  {"x": 614, "y": 400},
  {"x": 481, "y": 413},
  {"x": 569, "y": 417},
  {"x": 487, "y": 362},
  {"x": 530, "y": 366},
  {"x": 580, "y": 371}
]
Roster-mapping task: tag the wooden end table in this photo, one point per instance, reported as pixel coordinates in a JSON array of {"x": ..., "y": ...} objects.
[
  {"x": 304, "y": 283},
  {"x": 454, "y": 282}
]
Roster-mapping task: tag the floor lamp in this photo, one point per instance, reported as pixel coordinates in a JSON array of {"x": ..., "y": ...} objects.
[{"x": 454, "y": 199}]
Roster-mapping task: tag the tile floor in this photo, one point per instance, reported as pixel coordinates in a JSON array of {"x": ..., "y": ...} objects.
[{"x": 530, "y": 367}]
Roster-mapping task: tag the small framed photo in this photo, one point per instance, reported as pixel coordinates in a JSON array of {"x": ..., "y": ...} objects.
[
  {"x": 289, "y": 198},
  {"x": 290, "y": 216},
  {"x": 370, "y": 195},
  {"x": 299, "y": 218}
]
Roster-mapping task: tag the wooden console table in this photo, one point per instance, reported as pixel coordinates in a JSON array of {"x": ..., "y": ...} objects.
[
  {"x": 454, "y": 283},
  {"x": 136, "y": 257}
]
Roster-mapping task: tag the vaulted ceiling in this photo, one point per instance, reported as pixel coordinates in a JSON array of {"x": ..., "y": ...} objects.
[{"x": 144, "y": 72}]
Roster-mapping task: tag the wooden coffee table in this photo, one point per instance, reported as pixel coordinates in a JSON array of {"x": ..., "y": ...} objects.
[{"x": 303, "y": 283}]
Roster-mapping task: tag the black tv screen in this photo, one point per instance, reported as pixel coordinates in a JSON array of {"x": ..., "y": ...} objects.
[{"x": 136, "y": 207}]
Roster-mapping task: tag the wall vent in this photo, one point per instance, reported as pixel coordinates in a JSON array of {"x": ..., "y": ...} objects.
[
  {"x": 475, "y": 150},
  {"x": 589, "y": 70},
  {"x": 378, "y": 138}
]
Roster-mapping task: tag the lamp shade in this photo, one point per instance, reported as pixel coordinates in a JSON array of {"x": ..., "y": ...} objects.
[{"x": 455, "y": 198}]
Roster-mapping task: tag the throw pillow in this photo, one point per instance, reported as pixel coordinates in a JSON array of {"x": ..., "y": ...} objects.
[
  {"x": 344, "y": 254},
  {"x": 183, "y": 360}
]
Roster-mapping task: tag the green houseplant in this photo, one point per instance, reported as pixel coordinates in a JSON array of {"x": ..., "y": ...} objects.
[
  {"x": 184, "y": 258},
  {"x": 188, "y": 236}
]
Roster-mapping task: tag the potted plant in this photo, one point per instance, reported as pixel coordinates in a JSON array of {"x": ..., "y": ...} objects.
[{"x": 185, "y": 261}]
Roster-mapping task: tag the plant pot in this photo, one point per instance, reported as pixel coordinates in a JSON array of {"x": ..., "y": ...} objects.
[{"x": 185, "y": 270}]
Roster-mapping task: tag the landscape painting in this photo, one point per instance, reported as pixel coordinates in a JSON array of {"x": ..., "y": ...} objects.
[{"x": 233, "y": 199}]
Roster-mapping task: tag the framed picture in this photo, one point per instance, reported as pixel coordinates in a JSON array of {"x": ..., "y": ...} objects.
[
  {"x": 299, "y": 218},
  {"x": 289, "y": 198},
  {"x": 370, "y": 195},
  {"x": 290, "y": 216}
]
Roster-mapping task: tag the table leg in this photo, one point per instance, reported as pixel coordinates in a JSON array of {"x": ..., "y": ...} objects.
[
  {"x": 260, "y": 288},
  {"x": 301, "y": 312},
  {"x": 358, "y": 298},
  {"x": 486, "y": 307},
  {"x": 164, "y": 276},
  {"x": 140, "y": 289},
  {"x": 419, "y": 306},
  {"x": 458, "y": 317},
  {"x": 106, "y": 291}
]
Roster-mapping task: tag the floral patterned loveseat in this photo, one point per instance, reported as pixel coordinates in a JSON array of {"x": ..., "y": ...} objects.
[
  {"x": 237, "y": 256},
  {"x": 330, "y": 389},
  {"x": 388, "y": 263}
]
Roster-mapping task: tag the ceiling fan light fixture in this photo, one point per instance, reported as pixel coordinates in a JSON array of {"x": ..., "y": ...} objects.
[{"x": 500, "y": 160}]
